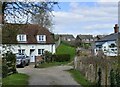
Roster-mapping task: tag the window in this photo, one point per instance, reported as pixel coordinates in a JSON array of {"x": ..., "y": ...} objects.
[
  {"x": 40, "y": 51},
  {"x": 21, "y": 37},
  {"x": 41, "y": 37},
  {"x": 21, "y": 51},
  {"x": 112, "y": 45}
]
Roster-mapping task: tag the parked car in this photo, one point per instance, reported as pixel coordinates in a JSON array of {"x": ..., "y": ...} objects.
[{"x": 22, "y": 60}]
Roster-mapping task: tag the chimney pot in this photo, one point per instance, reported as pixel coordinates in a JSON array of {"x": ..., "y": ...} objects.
[{"x": 116, "y": 28}]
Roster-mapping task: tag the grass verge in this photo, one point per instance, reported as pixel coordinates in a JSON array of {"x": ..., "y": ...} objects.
[
  {"x": 15, "y": 80},
  {"x": 78, "y": 77}
]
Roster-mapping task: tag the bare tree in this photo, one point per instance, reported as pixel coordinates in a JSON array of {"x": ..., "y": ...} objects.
[{"x": 28, "y": 12}]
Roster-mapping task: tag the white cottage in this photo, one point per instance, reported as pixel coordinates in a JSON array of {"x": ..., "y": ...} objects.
[
  {"x": 108, "y": 44},
  {"x": 33, "y": 40}
]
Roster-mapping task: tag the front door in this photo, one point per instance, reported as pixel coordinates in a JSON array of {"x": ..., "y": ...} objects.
[{"x": 32, "y": 55}]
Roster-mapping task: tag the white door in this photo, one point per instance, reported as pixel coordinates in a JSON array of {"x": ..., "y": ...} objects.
[{"x": 32, "y": 55}]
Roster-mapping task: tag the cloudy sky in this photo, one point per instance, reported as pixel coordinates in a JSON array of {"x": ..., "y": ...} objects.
[{"x": 85, "y": 17}]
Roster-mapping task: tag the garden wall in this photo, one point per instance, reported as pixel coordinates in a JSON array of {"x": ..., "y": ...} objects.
[{"x": 96, "y": 68}]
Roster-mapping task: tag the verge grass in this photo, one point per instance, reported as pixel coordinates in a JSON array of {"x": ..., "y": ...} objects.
[{"x": 15, "y": 80}]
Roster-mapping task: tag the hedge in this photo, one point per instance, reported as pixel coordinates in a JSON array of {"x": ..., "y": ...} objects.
[
  {"x": 8, "y": 64},
  {"x": 61, "y": 57}
]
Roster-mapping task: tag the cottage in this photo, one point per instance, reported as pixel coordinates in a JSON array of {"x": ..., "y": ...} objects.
[
  {"x": 31, "y": 40},
  {"x": 108, "y": 44},
  {"x": 65, "y": 37},
  {"x": 84, "y": 38},
  {"x": 98, "y": 37}
]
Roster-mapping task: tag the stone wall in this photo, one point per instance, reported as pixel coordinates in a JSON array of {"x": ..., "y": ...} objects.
[{"x": 89, "y": 67}]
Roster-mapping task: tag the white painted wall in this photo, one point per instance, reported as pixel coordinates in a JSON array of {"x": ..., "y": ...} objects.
[
  {"x": 35, "y": 47},
  {"x": 108, "y": 51}
]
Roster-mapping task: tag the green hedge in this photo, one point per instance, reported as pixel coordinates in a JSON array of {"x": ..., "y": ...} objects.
[
  {"x": 61, "y": 57},
  {"x": 8, "y": 64}
]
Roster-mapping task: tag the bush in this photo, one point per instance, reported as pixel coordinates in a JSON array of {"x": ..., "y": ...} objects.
[
  {"x": 47, "y": 56},
  {"x": 61, "y": 57},
  {"x": 8, "y": 64}
]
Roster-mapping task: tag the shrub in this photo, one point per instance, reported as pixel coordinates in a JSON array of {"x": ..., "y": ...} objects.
[
  {"x": 8, "y": 64},
  {"x": 61, "y": 57},
  {"x": 47, "y": 56},
  {"x": 4, "y": 68}
]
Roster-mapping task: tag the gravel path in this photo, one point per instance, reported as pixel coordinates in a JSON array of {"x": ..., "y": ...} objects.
[{"x": 49, "y": 76}]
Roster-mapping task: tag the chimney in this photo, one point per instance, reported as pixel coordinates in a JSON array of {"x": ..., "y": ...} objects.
[{"x": 116, "y": 28}]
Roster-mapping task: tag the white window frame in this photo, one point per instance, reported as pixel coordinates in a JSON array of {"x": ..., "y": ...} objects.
[
  {"x": 40, "y": 51},
  {"x": 21, "y": 51},
  {"x": 41, "y": 38},
  {"x": 21, "y": 37}
]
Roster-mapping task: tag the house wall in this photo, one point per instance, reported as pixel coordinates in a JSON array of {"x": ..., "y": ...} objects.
[
  {"x": 33, "y": 49},
  {"x": 106, "y": 49},
  {"x": 109, "y": 51}
]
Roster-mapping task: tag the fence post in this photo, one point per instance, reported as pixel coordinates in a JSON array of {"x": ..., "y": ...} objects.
[
  {"x": 99, "y": 77},
  {"x": 106, "y": 75}
]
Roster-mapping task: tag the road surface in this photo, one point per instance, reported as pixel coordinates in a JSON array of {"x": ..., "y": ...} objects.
[{"x": 48, "y": 76}]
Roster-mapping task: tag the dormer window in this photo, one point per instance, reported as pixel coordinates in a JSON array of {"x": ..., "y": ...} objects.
[
  {"x": 41, "y": 38},
  {"x": 21, "y": 37}
]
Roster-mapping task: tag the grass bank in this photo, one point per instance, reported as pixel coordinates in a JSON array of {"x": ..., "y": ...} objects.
[
  {"x": 15, "y": 80},
  {"x": 62, "y": 49},
  {"x": 66, "y": 49},
  {"x": 78, "y": 77}
]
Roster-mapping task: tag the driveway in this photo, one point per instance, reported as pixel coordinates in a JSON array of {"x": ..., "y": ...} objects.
[{"x": 49, "y": 76}]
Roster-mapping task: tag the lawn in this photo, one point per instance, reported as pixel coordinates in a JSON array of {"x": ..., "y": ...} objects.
[
  {"x": 78, "y": 77},
  {"x": 66, "y": 49},
  {"x": 15, "y": 80}
]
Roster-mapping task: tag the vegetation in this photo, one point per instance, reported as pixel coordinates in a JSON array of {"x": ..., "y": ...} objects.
[
  {"x": 66, "y": 49},
  {"x": 8, "y": 64},
  {"x": 40, "y": 12},
  {"x": 15, "y": 80},
  {"x": 64, "y": 54},
  {"x": 80, "y": 78},
  {"x": 61, "y": 57}
]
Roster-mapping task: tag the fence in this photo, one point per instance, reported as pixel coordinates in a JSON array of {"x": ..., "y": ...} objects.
[
  {"x": 38, "y": 60},
  {"x": 57, "y": 43}
]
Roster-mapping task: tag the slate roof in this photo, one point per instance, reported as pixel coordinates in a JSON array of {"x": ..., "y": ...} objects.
[
  {"x": 31, "y": 30},
  {"x": 111, "y": 37}
]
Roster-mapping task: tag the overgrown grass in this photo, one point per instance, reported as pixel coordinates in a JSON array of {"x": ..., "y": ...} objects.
[
  {"x": 80, "y": 78},
  {"x": 66, "y": 49},
  {"x": 45, "y": 65},
  {"x": 15, "y": 80}
]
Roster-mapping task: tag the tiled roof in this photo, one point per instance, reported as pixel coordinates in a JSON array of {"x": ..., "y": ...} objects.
[
  {"x": 85, "y": 36},
  {"x": 66, "y": 35},
  {"x": 31, "y": 30}
]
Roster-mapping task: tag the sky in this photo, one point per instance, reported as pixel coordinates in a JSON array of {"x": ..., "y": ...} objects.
[
  {"x": 85, "y": 17},
  {"x": 76, "y": 17}
]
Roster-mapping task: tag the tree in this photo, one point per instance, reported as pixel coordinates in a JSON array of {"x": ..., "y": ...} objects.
[{"x": 15, "y": 12}]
